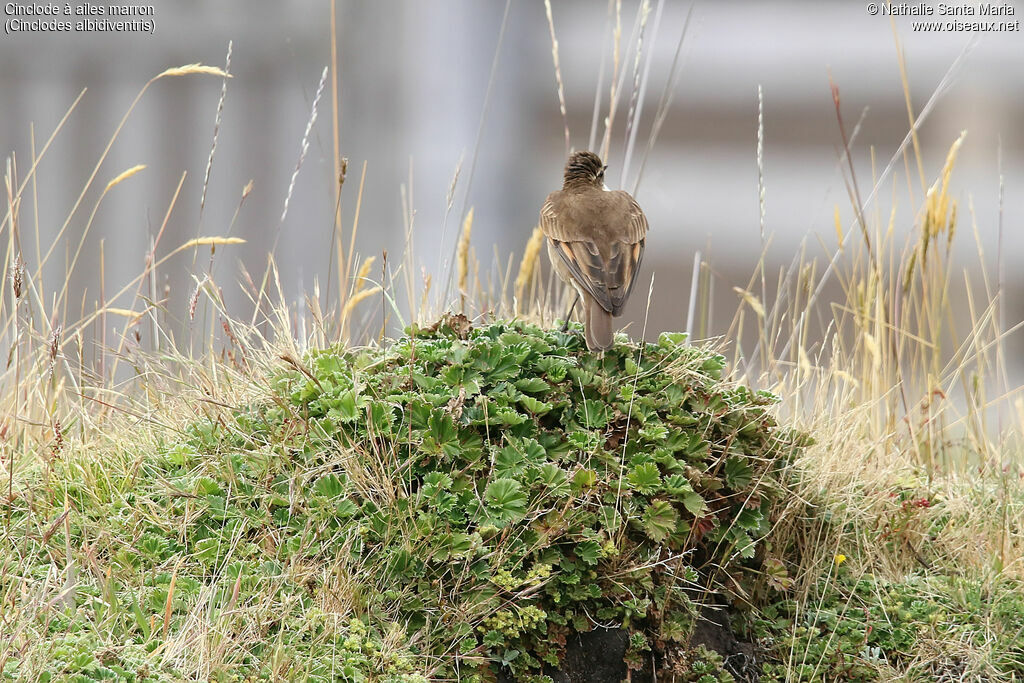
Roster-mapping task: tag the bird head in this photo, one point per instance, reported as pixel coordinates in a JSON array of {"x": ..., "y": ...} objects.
[{"x": 584, "y": 168}]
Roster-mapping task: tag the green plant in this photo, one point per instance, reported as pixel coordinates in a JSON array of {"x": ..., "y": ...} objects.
[
  {"x": 697, "y": 665},
  {"x": 509, "y": 487},
  {"x": 857, "y": 629}
]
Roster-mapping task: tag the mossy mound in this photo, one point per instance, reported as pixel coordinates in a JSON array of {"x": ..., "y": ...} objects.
[
  {"x": 472, "y": 496},
  {"x": 511, "y": 487}
]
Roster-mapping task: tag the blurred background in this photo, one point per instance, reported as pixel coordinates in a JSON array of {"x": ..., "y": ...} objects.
[{"x": 413, "y": 79}]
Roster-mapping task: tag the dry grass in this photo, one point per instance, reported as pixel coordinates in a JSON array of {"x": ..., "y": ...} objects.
[{"x": 900, "y": 392}]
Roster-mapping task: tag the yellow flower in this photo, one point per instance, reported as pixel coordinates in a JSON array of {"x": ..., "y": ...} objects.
[{"x": 839, "y": 559}]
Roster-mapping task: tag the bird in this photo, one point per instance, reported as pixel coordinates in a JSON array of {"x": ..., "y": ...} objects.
[{"x": 595, "y": 239}]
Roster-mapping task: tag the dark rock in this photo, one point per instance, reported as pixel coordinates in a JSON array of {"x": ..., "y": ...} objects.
[
  {"x": 593, "y": 657},
  {"x": 596, "y": 656},
  {"x": 714, "y": 632}
]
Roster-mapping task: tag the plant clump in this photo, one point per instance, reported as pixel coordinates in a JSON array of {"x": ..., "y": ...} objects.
[
  {"x": 508, "y": 488},
  {"x": 865, "y": 628}
]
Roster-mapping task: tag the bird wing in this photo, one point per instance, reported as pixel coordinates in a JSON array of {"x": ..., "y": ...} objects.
[
  {"x": 608, "y": 277},
  {"x": 628, "y": 218},
  {"x": 635, "y": 220}
]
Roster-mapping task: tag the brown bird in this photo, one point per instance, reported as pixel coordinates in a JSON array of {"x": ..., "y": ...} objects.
[{"x": 595, "y": 243}]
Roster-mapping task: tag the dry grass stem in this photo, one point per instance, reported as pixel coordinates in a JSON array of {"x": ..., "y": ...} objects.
[
  {"x": 216, "y": 129},
  {"x": 304, "y": 147},
  {"x": 558, "y": 74},
  {"x": 462, "y": 257}
]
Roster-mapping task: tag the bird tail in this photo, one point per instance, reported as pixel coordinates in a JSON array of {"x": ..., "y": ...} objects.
[{"x": 598, "y": 326}]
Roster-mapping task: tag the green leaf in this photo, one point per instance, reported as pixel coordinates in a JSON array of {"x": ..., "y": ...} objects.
[
  {"x": 675, "y": 394},
  {"x": 468, "y": 378},
  {"x": 329, "y": 486},
  {"x": 508, "y": 461},
  {"x": 442, "y": 435},
  {"x": 681, "y": 535},
  {"x": 400, "y": 562},
  {"x": 435, "y": 482},
  {"x": 517, "y": 456},
  {"x": 671, "y": 340},
  {"x": 776, "y": 575},
  {"x": 745, "y": 545},
  {"x": 677, "y": 484},
  {"x": 205, "y": 486},
  {"x": 696, "y": 446},
  {"x": 584, "y": 441},
  {"x": 535, "y": 406},
  {"x": 140, "y": 619},
  {"x": 382, "y": 419},
  {"x": 330, "y": 365},
  {"x": 179, "y": 455},
  {"x": 153, "y": 546},
  {"x": 342, "y": 408},
  {"x": 553, "y": 367},
  {"x": 659, "y": 520},
  {"x": 580, "y": 376},
  {"x": 592, "y": 414},
  {"x": 655, "y": 433},
  {"x": 645, "y": 478},
  {"x": 494, "y": 639},
  {"x": 346, "y": 508},
  {"x": 471, "y": 447},
  {"x": 694, "y": 504},
  {"x": 589, "y": 552},
  {"x": 713, "y": 366},
  {"x": 532, "y": 385},
  {"x": 738, "y": 473},
  {"x": 460, "y": 544},
  {"x": 584, "y": 479},
  {"x": 206, "y": 550},
  {"x": 554, "y": 479},
  {"x": 427, "y": 382},
  {"x": 749, "y": 519},
  {"x": 506, "y": 417},
  {"x": 534, "y": 452},
  {"x": 503, "y": 393},
  {"x": 609, "y": 518},
  {"x": 497, "y": 363},
  {"x": 505, "y": 500}
]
